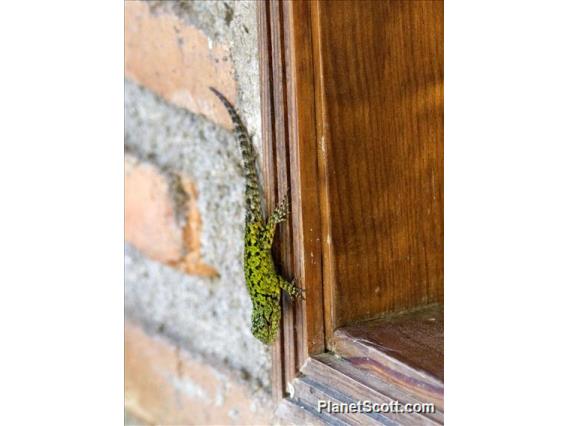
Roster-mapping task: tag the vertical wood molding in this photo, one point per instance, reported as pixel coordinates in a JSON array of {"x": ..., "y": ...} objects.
[
  {"x": 291, "y": 167},
  {"x": 269, "y": 160},
  {"x": 305, "y": 172},
  {"x": 328, "y": 265}
]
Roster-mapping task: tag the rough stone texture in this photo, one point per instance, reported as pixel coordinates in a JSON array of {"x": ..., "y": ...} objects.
[
  {"x": 161, "y": 217},
  {"x": 177, "y": 60},
  {"x": 230, "y": 23},
  {"x": 207, "y": 316},
  {"x": 166, "y": 385}
]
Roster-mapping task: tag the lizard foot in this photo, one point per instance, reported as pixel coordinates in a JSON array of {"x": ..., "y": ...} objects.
[{"x": 292, "y": 289}]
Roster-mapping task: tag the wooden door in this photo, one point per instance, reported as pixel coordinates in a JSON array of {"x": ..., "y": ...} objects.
[{"x": 353, "y": 131}]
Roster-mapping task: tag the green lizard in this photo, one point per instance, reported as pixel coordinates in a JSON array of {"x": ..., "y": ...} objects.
[{"x": 262, "y": 280}]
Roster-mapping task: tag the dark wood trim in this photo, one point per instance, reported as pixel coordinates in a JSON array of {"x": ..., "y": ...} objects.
[
  {"x": 291, "y": 162},
  {"x": 327, "y": 256},
  {"x": 268, "y": 165}
]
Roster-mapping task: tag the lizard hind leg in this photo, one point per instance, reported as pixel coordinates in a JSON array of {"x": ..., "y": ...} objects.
[
  {"x": 291, "y": 288},
  {"x": 280, "y": 214}
]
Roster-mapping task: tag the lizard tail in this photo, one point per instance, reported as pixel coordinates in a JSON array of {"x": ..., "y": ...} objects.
[{"x": 252, "y": 191}]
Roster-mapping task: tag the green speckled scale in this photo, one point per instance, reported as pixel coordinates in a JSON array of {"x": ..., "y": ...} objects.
[{"x": 263, "y": 282}]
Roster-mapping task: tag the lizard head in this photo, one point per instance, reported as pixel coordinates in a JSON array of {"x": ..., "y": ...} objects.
[{"x": 265, "y": 323}]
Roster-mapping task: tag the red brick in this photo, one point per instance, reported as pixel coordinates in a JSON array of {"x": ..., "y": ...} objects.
[
  {"x": 165, "y": 385},
  {"x": 190, "y": 261},
  {"x": 177, "y": 61},
  {"x": 150, "y": 220}
]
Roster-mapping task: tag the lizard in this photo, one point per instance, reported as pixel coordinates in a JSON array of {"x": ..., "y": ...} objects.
[{"x": 262, "y": 280}]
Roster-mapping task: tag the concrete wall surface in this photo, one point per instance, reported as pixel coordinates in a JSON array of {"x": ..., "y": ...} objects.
[{"x": 190, "y": 357}]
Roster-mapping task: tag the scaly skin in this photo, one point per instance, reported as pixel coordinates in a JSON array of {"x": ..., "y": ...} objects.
[{"x": 263, "y": 282}]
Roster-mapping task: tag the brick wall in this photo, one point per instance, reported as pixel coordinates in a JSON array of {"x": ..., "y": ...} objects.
[{"x": 189, "y": 356}]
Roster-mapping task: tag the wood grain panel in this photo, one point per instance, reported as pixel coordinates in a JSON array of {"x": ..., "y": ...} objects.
[{"x": 381, "y": 82}]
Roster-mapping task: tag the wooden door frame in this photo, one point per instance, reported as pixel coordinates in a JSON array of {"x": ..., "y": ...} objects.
[
  {"x": 293, "y": 138},
  {"x": 290, "y": 143}
]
